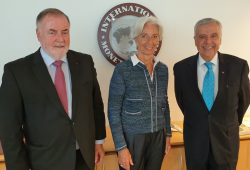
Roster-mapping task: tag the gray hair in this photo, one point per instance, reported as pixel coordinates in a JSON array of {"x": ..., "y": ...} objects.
[
  {"x": 140, "y": 23},
  {"x": 205, "y": 21},
  {"x": 50, "y": 11}
]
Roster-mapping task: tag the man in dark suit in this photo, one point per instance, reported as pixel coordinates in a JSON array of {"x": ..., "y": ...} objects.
[
  {"x": 213, "y": 92},
  {"x": 53, "y": 99}
]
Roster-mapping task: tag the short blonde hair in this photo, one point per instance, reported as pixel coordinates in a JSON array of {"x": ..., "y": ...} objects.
[{"x": 140, "y": 23}]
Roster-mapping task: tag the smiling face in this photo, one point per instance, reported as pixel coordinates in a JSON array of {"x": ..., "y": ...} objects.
[
  {"x": 53, "y": 34},
  {"x": 148, "y": 40},
  {"x": 208, "y": 40}
]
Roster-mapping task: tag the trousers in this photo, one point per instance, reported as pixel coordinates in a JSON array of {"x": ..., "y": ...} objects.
[
  {"x": 210, "y": 164},
  {"x": 147, "y": 150}
]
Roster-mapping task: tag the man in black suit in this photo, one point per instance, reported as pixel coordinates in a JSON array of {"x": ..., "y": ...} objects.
[
  {"x": 57, "y": 107},
  {"x": 213, "y": 92}
]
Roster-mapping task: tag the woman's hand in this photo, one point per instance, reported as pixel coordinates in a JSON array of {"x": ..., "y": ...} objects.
[
  {"x": 168, "y": 146},
  {"x": 124, "y": 159}
]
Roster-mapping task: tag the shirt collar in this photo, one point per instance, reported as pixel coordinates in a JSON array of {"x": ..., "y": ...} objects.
[
  {"x": 135, "y": 60},
  {"x": 49, "y": 60},
  {"x": 201, "y": 61}
]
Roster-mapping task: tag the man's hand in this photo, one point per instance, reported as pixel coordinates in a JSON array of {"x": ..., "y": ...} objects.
[
  {"x": 124, "y": 159},
  {"x": 168, "y": 146},
  {"x": 99, "y": 153}
]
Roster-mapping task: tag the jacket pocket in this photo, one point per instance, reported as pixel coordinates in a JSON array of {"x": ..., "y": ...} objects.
[
  {"x": 233, "y": 131},
  {"x": 36, "y": 144},
  {"x": 133, "y": 106},
  {"x": 85, "y": 83},
  {"x": 136, "y": 113}
]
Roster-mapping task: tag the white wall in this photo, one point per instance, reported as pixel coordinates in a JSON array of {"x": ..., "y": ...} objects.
[{"x": 18, "y": 38}]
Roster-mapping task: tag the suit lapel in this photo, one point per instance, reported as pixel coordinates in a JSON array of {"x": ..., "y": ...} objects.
[
  {"x": 192, "y": 73},
  {"x": 75, "y": 79},
  {"x": 41, "y": 72},
  {"x": 223, "y": 77}
]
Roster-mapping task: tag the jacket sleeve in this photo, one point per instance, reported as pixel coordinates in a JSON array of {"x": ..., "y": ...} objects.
[
  {"x": 11, "y": 121},
  {"x": 178, "y": 91},
  {"x": 167, "y": 116},
  {"x": 100, "y": 129},
  {"x": 244, "y": 93},
  {"x": 115, "y": 102}
]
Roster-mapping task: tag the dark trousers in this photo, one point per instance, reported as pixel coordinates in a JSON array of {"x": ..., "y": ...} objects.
[
  {"x": 147, "y": 150},
  {"x": 211, "y": 164},
  {"x": 80, "y": 162}
]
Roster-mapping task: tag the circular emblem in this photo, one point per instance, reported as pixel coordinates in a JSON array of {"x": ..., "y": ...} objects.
[{"x": 115, "y": 37}]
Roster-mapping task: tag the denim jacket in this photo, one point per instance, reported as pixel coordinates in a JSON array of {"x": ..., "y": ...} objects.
[{"x": 136, "y": 103}]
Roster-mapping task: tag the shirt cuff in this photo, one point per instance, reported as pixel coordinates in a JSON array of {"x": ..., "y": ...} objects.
[
  {"x": 102, "y": 141},
  {"x": 121, "y": 148}
]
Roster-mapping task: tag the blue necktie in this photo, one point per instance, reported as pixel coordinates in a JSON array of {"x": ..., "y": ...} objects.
[{"x": 208, "y": 86}]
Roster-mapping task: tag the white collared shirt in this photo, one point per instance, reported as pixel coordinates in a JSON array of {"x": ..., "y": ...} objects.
[
  {"x": 202, "y": 70},
  {"x": 65, "y": 68},
  {"x": 135, "y": 60},
  {"x": 52, "y": 71}
]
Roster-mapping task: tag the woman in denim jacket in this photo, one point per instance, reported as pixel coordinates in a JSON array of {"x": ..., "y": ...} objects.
[{"x": 138, "y": 109}]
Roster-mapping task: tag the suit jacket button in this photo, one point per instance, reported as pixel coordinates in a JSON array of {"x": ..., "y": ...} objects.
[
  {"x": 73, "y": 123},
  {"x": 206, "y": 132},
  {"x": 154, "y": 83}
]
